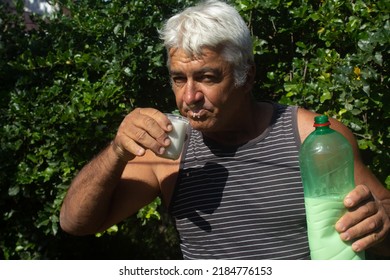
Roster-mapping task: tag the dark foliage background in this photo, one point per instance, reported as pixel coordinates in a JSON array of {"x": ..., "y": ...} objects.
[{"x": 66, "y": 84}]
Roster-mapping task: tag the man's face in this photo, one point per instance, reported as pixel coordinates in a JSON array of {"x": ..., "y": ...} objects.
[{"x": 204, "y": 89}]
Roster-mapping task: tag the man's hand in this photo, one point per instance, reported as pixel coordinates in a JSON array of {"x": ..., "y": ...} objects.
[
  {"x": 366, "y": 223},
  {"x": 143, "y": 128}
]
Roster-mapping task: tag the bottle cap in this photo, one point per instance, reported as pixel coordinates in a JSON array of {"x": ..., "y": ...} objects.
[{"x": 321, "y": 121}]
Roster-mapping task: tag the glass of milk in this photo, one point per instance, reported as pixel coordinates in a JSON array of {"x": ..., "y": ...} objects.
[{"x": 177, "y": 135}]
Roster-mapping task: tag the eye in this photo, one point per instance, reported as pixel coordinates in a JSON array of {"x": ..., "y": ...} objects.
[
  {"x": 208, "y": 78},
  {"x": 178, "y": 80}
]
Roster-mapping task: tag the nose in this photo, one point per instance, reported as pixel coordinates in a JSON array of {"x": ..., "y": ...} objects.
[{"x": 192, "y": 94}]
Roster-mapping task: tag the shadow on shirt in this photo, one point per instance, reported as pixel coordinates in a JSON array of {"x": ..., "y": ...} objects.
[{"x": 200, "y": 192}]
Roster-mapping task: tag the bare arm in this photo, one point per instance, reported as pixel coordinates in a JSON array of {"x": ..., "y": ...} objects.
[
  {"x": 121, "y": 179},
  {"x": 367, "y": 222},
  {"x": 86, "y": 204}
]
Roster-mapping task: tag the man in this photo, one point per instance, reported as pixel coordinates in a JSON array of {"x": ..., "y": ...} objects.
[{"x": 236, "y": 191}]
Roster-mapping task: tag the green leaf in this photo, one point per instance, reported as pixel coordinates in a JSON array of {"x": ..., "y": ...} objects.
[
  {"x": 326, "y": 95},
  {"x": 13, "y": 191}
]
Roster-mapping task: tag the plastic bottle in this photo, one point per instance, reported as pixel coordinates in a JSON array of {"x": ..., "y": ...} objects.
[{"x": 326, "y": 162}]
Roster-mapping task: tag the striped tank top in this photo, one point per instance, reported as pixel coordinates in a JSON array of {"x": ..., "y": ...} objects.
[{"x": 243, "y": 202}]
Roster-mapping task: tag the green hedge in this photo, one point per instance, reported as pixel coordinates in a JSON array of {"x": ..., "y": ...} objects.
[{"x": 66, "y": 85}]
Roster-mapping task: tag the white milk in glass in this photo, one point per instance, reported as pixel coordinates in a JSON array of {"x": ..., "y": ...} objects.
[{"x": 177, "y": 136}]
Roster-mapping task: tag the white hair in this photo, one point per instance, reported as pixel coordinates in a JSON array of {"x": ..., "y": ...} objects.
[{"x": 212, "y": 24}]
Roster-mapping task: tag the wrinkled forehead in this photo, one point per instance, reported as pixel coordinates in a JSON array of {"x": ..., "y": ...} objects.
[{"x": 209, "y": 62}]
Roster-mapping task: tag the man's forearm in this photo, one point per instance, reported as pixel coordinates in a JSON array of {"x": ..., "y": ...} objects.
[{"x": 86, "y": 204}]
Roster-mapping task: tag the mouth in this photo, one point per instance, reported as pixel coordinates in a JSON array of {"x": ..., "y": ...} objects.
[{"x": 196, "y": 114}]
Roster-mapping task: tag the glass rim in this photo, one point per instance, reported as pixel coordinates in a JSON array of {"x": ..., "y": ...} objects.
[{"x": 177, "y": 117}]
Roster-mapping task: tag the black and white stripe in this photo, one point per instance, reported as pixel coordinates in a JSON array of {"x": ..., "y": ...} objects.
[{"x": 244, "y": 202}]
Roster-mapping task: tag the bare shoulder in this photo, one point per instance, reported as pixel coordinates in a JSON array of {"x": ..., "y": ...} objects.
[{"x": 305, "y": 120}]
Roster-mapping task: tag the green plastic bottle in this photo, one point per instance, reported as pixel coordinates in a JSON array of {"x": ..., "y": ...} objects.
[{"x": 326, "y": 162}]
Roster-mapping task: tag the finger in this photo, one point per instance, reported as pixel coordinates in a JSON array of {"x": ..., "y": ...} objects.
[
  {"x": 368, "y": 241},
  {"x": 359, "y": 194},
  {"x": 126, "y": 153},
  {"x": 365, "y": 227},
  {"x": 137, "y": 132},
  {"x": 156, "y": 125},
  {"x": 132, "y": 147},
  {"x": 355, "y": 216},
  {"x": 124, "y": 144},
  {"x": 159, "y": 117},
  {"x": 139, "y": 137},
  {"x": 155, "y": 131}
]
